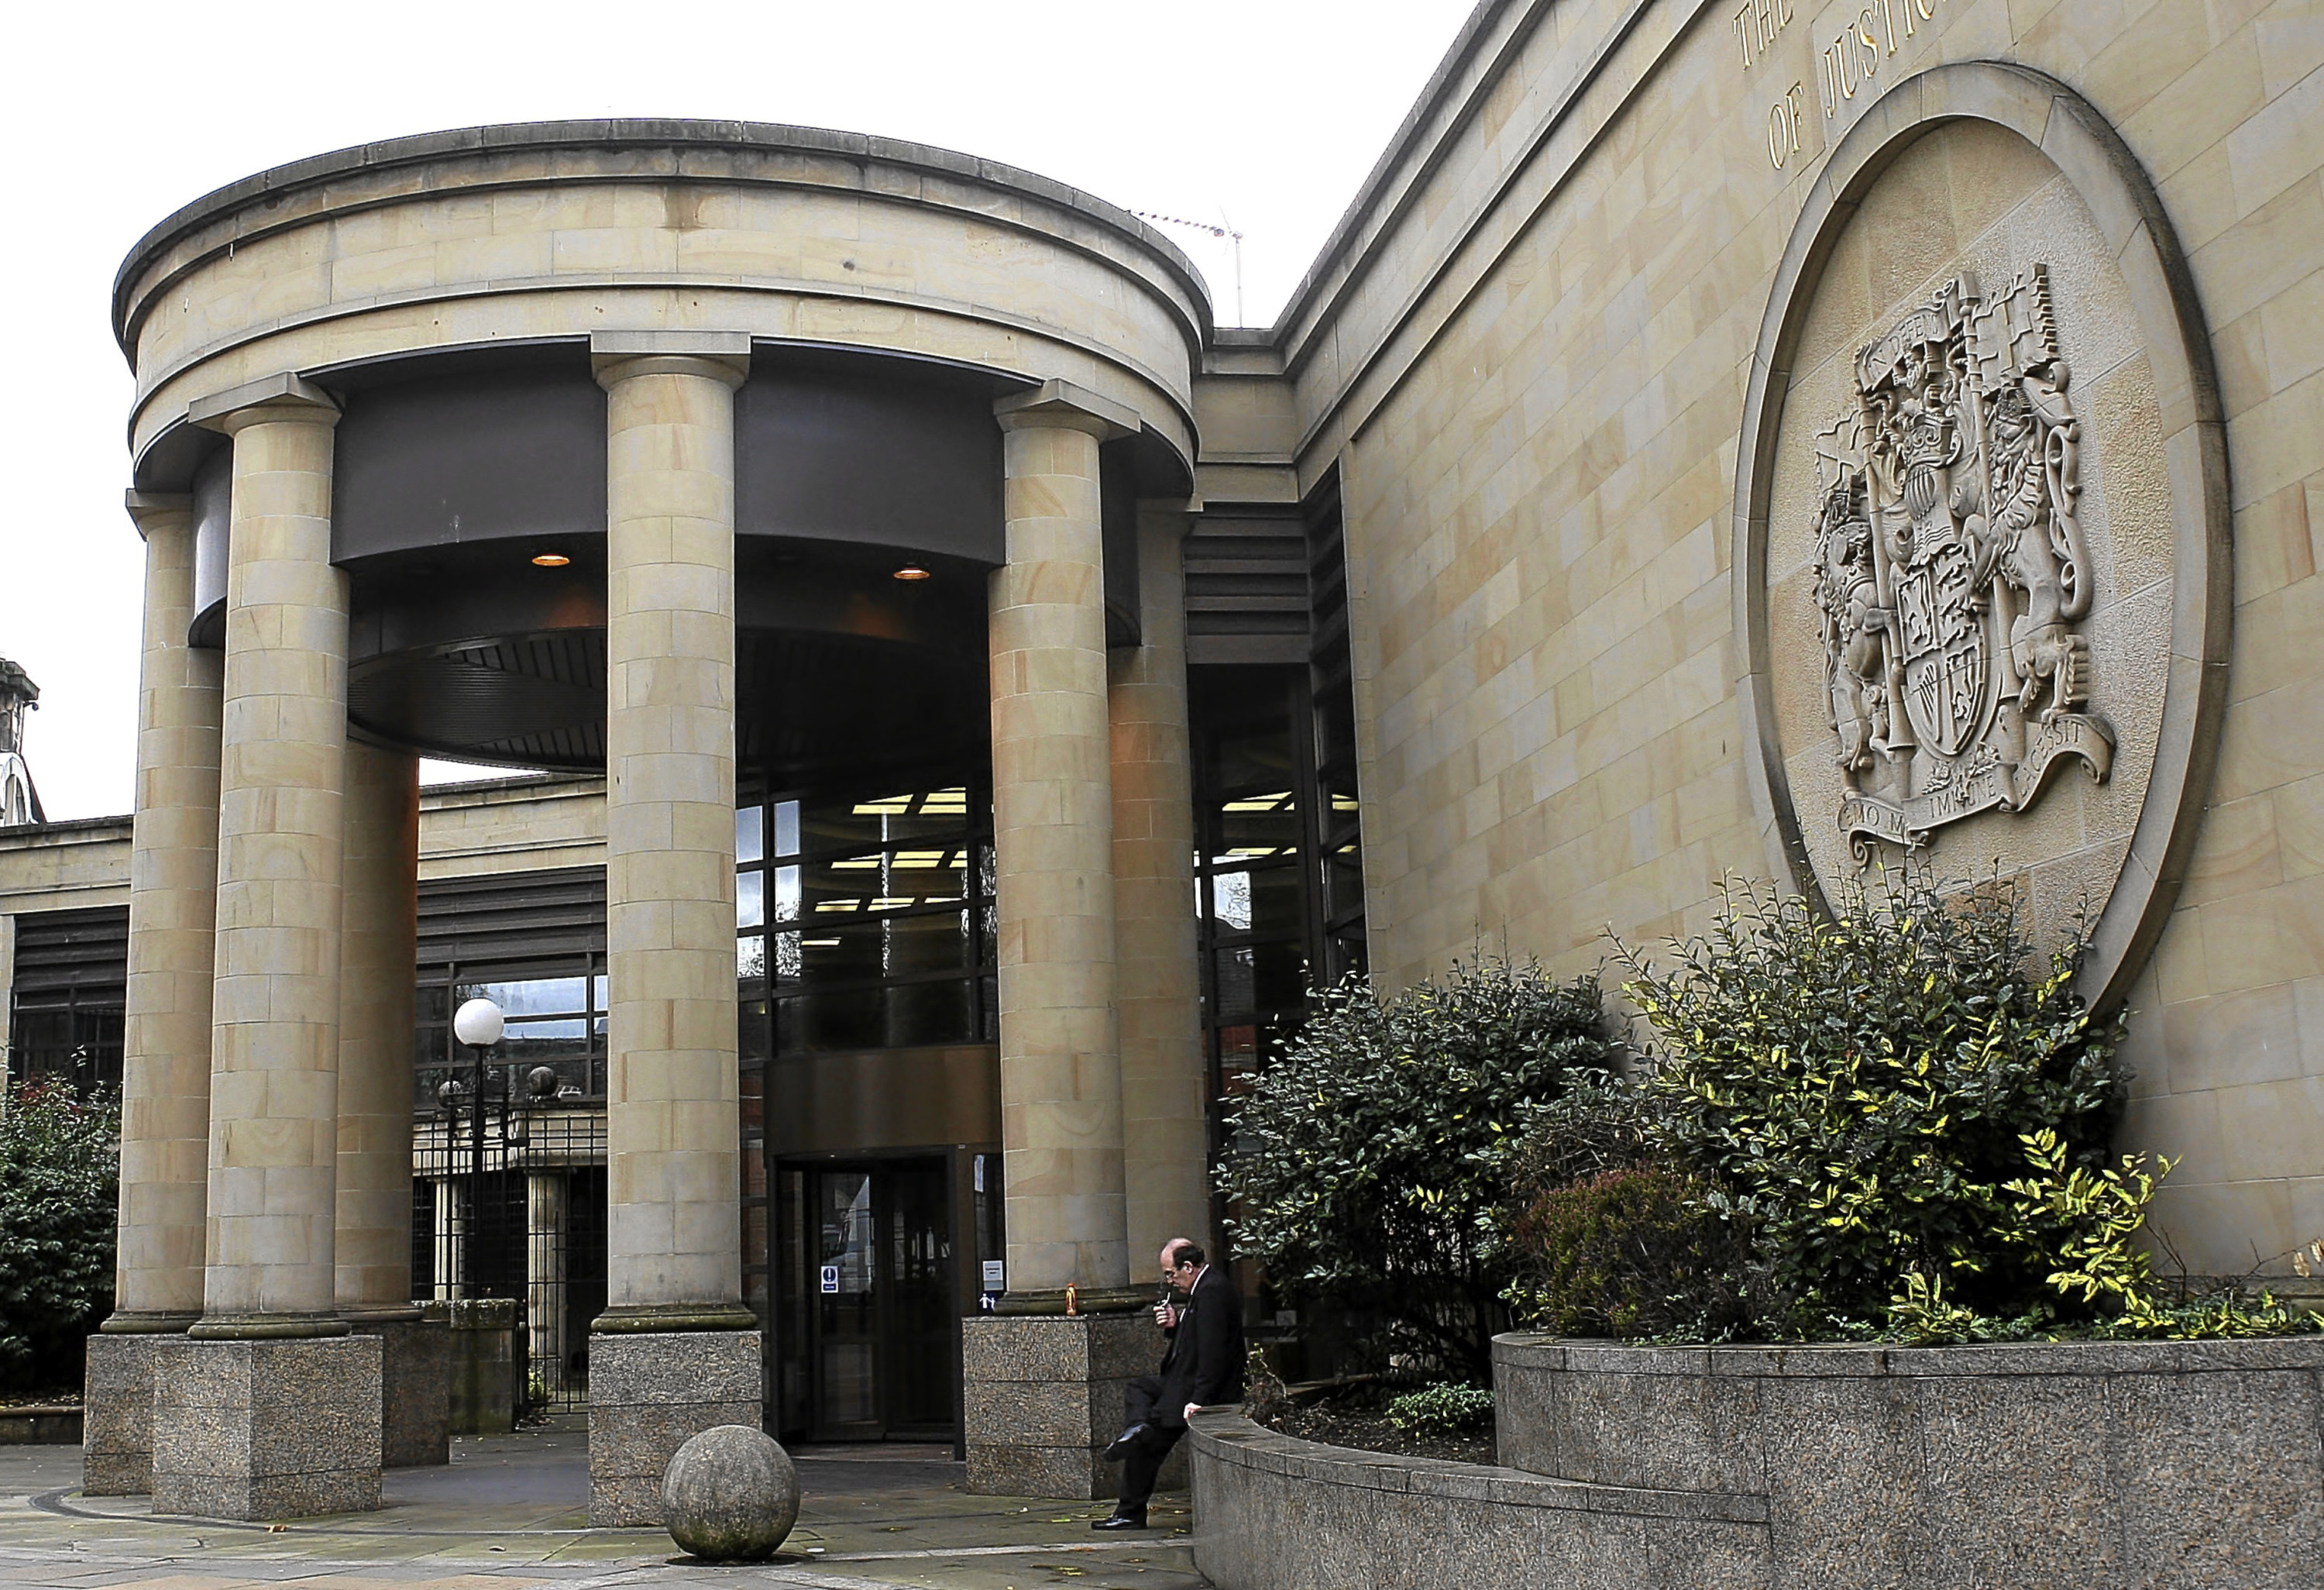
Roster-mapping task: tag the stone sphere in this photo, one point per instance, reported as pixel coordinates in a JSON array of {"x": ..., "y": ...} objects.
[{"x": 731, "y": 1496}]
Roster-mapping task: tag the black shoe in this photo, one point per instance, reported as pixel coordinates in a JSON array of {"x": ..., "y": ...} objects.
[
  {"x": 1124, "y": 1443},
  {"x": 1122, "y": 1521}
]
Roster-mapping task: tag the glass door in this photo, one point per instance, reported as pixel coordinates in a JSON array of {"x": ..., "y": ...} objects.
[
  {"x": 879, "y": 1351},
  {"x": 847, "y": 1299}
]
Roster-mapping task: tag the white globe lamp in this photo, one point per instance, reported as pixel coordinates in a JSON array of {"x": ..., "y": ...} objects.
[{"x": 477, "y": 1023}]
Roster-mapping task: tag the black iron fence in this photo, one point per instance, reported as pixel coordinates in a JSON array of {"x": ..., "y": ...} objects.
[{"x": 508, "y": 1201}]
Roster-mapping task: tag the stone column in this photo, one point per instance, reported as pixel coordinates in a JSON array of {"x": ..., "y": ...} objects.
[
  {"x": 1052, "y": 838},
  {"x": 676, "y": 1350},
  {"x": 451, "y": 1206},
  {"x": 271, "y": 1408},
  {"x": 1165, "y": 1133},
  {"x": 379, "y": 947},
  {"x": 1042, "y": 1384},
  {"x": 165, "y": 1061},
  {"x": 544, "y": 1311}
]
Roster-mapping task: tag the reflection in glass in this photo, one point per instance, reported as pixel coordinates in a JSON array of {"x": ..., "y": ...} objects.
[
  {"x": 749, "y": 833},
  {"x": 533, "y": 996},
  {"x": 890, "y": 895}
]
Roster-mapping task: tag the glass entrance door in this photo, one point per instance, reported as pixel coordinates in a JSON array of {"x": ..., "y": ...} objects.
[{"x": 875, "y": 1274}]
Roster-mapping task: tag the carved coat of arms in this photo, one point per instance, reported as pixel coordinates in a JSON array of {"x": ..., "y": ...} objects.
[{"x": 1951, "y": 573}]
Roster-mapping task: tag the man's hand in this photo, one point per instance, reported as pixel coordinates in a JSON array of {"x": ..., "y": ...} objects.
[
  {"x": 1192, "y": 1409},
  {"x": 1166, "y": 1314}
]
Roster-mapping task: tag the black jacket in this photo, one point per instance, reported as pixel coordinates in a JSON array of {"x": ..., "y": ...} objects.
[{"x": 1204, "y": 1359}]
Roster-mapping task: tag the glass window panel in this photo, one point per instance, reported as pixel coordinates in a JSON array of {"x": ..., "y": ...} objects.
[
  {"x": 1265, "y": 902},
  {"x": 851, "y": 1020},
  {"x": 750, "y": 958},
  {"x": 927, "y": 1012},
  {"x": 530, "y": 997},
  {"x": 750, "y": 900},
  {"x": 1258, "y": 760},
  {"x": 749, "y": 833},
  {"x": 1252, "y": 828},
  {"x": 597, "y": 996},
  {"x": 1230, "y": 900},
  {"x": 1255, "y": 980},
  {"x": 787, "y": 827},
  {"x": 785, "y": 901}
]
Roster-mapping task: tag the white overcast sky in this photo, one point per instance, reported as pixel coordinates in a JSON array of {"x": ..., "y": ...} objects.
[{"x": 1266, "y": 114}]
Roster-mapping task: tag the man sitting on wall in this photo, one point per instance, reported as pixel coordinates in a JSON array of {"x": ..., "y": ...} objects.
[{"x": 1203, "y": 1364}]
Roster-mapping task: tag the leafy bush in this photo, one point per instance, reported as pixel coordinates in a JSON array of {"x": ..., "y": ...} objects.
[
  {"x": 59, "y": 1161},
  {"x": 1444, "y": 1409},
  {"x": 1370, "y": 1162},
  {"x": 1865, "y": 1091},
  {"x": 1603, "y": 1121},
  {"x": 1636, "y": 1252}
]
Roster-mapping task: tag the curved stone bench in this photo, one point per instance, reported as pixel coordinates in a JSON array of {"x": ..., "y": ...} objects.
[
  {"x": 2086, "y": 1464},
  {"x": 1276, "y": 1513}
]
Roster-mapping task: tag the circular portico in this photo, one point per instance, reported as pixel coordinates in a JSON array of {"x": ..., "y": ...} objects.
[{"x": 713, "y": 455}]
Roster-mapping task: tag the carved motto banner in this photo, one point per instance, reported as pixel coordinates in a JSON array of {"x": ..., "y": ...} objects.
[{"x": 1951, "y": 573}]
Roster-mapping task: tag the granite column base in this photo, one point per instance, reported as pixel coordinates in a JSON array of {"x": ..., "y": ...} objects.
[
  {"x": 415, "y": 1388},
  {"x": 117, "y": 1415},
  {"x": 649, "y": 1392},
  {"x": 1043, "y": 1398},
  {"x": 276, "y": 1428}
]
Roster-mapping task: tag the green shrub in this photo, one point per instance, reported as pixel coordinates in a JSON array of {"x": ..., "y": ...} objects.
[
  {"x": 1444, "y": 1409},
  {"x": 1636, "y": 1252},
  {"x": 1370, "y": 1164},
  {"x": 58, "y": 1158},
  {"x": 1867, "y": 1094}
]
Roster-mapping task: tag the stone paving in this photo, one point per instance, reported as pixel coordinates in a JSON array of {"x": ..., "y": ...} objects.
[{"x": 510, "y": 1512}]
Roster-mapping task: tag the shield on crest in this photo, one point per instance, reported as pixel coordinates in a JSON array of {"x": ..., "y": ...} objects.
[{"x": 1944, "y": 643}]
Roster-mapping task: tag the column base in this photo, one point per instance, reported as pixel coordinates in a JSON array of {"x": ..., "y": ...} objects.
[
  {"x": 266, "y": 1428},
  {"x": 649, "y": 1392},
  {"x": 415, "y": 1387},
  {"x": 1043, "y": 1398},
  {"x": 118, "y": 1412},
  {"x": 483, "y": 1370}
]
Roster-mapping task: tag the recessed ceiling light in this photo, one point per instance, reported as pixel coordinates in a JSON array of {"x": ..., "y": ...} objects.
[
  {"x": 911, "y": 571},
  {"x": 550, "y": 560}
]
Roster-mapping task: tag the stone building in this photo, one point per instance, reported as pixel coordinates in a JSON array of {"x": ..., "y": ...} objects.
[{"x": 1741, "y": 440}]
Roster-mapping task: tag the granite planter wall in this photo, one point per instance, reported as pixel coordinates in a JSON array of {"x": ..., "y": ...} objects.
[
  {"x": 41, "y": 1425},
  {"x": 1276, "y": 1513},
  {"x": 2092, "y": 1464}
]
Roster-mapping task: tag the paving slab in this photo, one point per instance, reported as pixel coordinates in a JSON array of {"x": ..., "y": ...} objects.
[{"x": 510, "y": 1512}]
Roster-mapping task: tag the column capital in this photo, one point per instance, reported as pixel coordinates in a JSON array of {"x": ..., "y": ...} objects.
[
  {"x": 716, "y": 356},
  {"x": 284, "y": 396},
  {"x": 148, "y": 510},
  {"x": 1060, "y": 405}
]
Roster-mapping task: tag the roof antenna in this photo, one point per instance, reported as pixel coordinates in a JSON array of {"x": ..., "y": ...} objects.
[{"x": 1226, "y": 231}]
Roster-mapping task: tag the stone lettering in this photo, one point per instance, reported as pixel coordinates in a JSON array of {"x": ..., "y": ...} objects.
[
  {"x": 1853, "y": 58},
  {"x": 1756, "y": 23},
  {"x": 1783, "y": 119}
]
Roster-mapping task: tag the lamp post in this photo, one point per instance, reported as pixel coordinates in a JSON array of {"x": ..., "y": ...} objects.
[{"x": 477, "y": 1023}]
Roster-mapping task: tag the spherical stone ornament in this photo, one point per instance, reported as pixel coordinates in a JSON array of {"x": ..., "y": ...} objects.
[{"x": 731, "y": 1494}]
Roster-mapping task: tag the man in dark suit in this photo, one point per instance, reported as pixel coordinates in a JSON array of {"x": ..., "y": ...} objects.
[{"x": 1203, "y": 1364}]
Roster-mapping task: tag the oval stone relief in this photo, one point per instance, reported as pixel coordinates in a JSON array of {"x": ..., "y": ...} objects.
[{"x": 1961, "y": 536}]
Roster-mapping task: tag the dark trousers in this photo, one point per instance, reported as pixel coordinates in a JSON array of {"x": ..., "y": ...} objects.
[{"x": 1143, "y": 1404}]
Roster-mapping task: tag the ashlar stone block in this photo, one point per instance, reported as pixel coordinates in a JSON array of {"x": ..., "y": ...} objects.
[
  {"x": 266, "y": 1430},
  {"x": 650, "y": 1392},
  {"x": 1043, "y": 1396}
]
